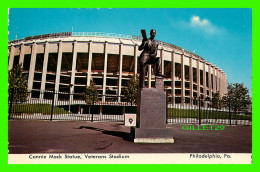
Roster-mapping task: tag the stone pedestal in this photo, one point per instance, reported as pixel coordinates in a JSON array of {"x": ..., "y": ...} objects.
[{"x": 151, "y": 116}]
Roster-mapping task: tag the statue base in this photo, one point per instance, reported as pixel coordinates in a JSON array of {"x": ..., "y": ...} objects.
[
  {"x": 156, "y": 140},
  {"x": 152, "y": 135},
  {"x": 151, "y": 116}
]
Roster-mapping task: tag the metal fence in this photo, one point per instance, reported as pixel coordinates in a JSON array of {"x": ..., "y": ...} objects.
[
  {"x": 199, "y": 111},
  {"x": 50, "y": 105}
]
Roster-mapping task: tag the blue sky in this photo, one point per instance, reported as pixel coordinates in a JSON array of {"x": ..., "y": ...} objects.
[{"x": 221, "y": 36}]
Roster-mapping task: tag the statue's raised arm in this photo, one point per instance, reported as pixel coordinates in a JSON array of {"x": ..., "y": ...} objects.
[{"x": 141, "y": 47}]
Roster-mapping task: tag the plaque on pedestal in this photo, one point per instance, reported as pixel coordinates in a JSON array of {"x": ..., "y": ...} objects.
[{"x": 151, "y": 116}]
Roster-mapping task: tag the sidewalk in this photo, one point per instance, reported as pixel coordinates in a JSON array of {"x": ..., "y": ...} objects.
[{"x": 111, "y": 137}]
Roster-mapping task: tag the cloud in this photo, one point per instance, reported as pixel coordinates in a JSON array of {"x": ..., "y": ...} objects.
[
  {"x": 197, "y": 25},
  {"x": 204, "y": 25}
]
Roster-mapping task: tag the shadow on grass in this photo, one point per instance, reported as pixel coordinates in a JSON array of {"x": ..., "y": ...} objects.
[{"x": 126, "y": 136}]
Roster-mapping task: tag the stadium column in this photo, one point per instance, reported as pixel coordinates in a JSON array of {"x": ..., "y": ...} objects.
[
  {"x": 220, "y": 84},
  {"x": 182, "y": 79},
  {"x": 223, "y": 80},
  {"x": 223, "y": 83},
  {"x": 214, "y": 79},
  {"x": 204, "y": 85},
  {"x": 44, "y": 69},
  {"x": 210, "y": 86},
  {"x": 149, "y": 76},
  {"x": 218, "y": 81},
  {"x": 120, "y": 72},
  {"x": 191, "y": 80},
  {"x": 32, "y": 67},
  {"x": 221, "y": 87},
  {"x": 173, "y": 76},
  {"x": 89, "y": 62},
  {"x": 226, "y": 84},
  {"x": 162, "y": 60},
  {"x": 135, "y": 56},
  {"x": 198, "y": 78},
  {"x": 11, "y": 57},
  {"x": 57, "y": 81},
  {"x": 105, "y": 73},
  {"x": 21, "y": 54},
  {"x": 73, "y": 69}
]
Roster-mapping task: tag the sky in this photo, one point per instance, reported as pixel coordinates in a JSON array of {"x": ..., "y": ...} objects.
[{"x": 222, "y": 36}]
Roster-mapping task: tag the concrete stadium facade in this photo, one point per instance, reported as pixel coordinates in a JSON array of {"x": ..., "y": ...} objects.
[{"x": 61, "y": 61}]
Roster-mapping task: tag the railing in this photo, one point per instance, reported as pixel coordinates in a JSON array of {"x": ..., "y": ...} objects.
[
  {"x": 100, "y": 34},
  {"x": 50, "y": 105},
  {"x": 45, "y": 36},
  {"x": 199, "y": 111}
]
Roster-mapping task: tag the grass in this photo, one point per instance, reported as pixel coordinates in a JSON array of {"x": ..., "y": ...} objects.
[
  {"x": 193, "y": 113},
  {"x": 44, "y": 109}
]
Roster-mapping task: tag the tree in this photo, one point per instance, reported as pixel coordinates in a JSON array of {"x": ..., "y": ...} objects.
[
  {"x": 237, "y": 97},
  {"x": 91, "y": 93},
  {"x": 216, "y": 101},
  {"x": 17, "y": 84},
  {"x": 132, "y": 89}
]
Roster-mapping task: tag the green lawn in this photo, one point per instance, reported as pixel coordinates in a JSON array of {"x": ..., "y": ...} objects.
[
  {"x": 44, "y": 109},
  {"x": 190, "y": 113}
]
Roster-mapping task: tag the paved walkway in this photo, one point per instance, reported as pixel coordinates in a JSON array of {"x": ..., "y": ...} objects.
[{"x": 109, "y": 137}]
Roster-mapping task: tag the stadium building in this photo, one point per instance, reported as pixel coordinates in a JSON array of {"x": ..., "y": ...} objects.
[{"x": 68, "y": 61}]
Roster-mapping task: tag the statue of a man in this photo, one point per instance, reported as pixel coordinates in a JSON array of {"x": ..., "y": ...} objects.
[{"x": 148, "y": 56}]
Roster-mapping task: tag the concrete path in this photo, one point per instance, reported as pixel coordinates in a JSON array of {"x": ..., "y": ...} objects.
[{"x": 110, "y": 137}]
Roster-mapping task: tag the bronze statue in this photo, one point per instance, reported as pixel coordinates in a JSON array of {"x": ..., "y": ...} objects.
[{"x": 148, "y": 56}]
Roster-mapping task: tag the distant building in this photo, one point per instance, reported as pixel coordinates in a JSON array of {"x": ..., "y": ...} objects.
[{"x": 66, "y": 62}]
